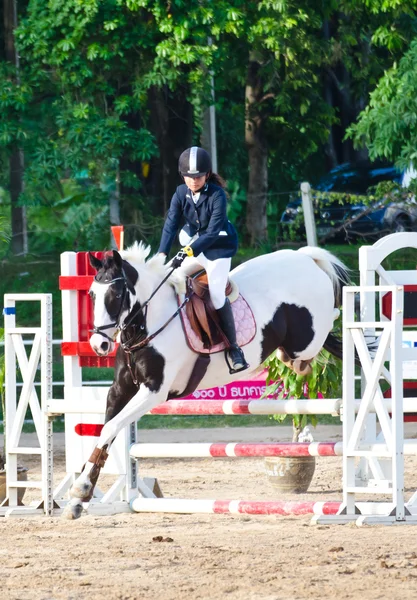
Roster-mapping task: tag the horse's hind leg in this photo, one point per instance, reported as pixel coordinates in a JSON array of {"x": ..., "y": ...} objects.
[
  {"x": 83, "y": 487},
  {"x": 284, "y": 357},
  {"x": 301, "y": 367}
]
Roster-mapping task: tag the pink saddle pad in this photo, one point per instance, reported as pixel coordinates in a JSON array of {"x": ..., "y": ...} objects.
[{"x": 244, "y": 322}]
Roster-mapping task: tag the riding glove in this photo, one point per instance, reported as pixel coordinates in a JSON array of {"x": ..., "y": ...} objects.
[{"x": 181, "y": 256}]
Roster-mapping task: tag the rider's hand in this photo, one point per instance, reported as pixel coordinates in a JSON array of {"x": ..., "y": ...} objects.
[
  {"x": 181, "y": 256},
  {"x": 178, "y": 259}
]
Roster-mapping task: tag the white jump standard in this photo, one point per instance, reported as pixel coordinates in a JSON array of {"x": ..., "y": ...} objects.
[{"x": 381, "y": 456}]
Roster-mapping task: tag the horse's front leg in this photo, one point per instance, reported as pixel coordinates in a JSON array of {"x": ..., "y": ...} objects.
[
  {"x": 120, "y": 393},
  {"x": 83, "y": 488}
]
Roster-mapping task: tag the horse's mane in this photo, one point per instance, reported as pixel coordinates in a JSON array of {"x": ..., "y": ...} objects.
[{"x": 137, "y": 255}]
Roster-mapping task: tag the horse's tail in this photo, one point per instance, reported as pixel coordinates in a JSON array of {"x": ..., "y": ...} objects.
[
  {"x": 334, "y": 345},
  {"x": 332, "y": 266}
]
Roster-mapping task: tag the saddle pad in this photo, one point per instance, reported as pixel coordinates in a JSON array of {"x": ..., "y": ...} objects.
[{"x": 244, "y": 322}]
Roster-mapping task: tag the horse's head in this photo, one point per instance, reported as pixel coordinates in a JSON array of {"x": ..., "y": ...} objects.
[{"x": 113, "y": 294}]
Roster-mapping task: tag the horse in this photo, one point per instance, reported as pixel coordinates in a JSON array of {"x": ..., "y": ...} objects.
[{"x": 294, "y": 296}]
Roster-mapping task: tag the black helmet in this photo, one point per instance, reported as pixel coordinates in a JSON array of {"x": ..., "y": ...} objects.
[{"x": 194, "y": 162}]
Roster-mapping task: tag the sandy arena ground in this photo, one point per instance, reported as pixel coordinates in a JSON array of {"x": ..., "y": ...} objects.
[{"x": 210, "y": 557}]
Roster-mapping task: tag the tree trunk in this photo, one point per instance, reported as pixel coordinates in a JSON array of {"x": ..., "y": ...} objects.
[
  {"x": 256, "y": 220},
  {"x": 16, "y": 160},
  {"x": 172, "y": 122},
  {"x": 114, "y": 200},
  {"x": 208, "y": 134},
  {"x": 208, "y": 139},
  {"x": 296, "y": 430},
  {"x": 331, "y": 151},
  {"x": 18, "y": 213}
]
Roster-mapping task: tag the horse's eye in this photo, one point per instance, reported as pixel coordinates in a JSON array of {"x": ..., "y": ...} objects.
[{"x": 118, "y": 295}]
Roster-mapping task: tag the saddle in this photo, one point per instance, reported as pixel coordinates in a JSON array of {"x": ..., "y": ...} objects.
[
  {"x": 201, "y": 322},
  {"x": 201, "y": 326}
]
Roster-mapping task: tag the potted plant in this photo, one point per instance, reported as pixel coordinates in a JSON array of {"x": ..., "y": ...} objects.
[
  {"x": 294, "y": 474},
  {"x": 21, "y": 471}
]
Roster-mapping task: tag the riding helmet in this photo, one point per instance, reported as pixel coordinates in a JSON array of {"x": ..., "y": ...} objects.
[{"x": 194, "y": 162}]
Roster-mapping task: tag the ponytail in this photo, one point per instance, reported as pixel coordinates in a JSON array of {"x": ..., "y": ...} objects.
[{"x": 217, "y": 180}]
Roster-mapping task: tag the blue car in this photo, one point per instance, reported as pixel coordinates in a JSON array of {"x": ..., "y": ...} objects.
[{"x": 357, "y": 178}]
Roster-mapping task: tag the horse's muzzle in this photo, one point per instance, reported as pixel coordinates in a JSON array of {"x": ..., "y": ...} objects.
[{"x": 101, "y": 345}]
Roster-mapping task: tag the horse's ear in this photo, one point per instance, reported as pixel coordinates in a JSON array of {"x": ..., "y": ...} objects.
[
  {"x": 118, "y": 261},
  {"x": 95, "y": 262}
]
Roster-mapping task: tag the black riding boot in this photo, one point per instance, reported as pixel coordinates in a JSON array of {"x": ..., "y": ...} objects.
[{"x": 227, "y": 323}]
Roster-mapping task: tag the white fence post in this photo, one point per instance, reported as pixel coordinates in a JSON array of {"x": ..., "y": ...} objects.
[{"x": 308, "y": 211}]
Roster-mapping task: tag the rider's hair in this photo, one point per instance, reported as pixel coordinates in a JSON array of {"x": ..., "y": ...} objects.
[{"x": 217, "y": 180}]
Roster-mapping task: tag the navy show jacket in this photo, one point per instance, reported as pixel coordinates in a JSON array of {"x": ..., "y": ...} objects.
[{"x": 208, "y": 217}]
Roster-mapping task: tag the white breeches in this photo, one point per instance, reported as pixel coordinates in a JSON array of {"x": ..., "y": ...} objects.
[{"x": 217, "y": 273}]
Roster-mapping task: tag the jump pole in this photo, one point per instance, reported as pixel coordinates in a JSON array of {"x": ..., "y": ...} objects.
[
  {"x": 266, "y": 407},
  {"x": 247, "y": 507},
  {"x": 236, "y": 450},
  {"x": 255, "y": 450},
  {"x": 234, "y": 507}
]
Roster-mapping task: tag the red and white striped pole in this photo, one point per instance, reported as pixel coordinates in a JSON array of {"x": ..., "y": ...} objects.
[
  {"x": 235, "y": 450},
  {"x": 234, "y": 507},
  {"x": 326, "y": 406}
]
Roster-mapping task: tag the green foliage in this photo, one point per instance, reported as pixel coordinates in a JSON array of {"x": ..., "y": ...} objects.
[
  {"x": 4, "y": 234},
  {"x": 325, "y": 380},
  {"x": 388, "y": 125},
  {"x": 83, "y": 98}
]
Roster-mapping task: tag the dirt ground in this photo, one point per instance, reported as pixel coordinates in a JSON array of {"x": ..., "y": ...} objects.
[{"x": 209, "y": 557}]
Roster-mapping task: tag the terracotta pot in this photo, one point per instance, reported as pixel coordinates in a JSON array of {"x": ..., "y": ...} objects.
[
  {"x": 21, "y": 476},
  {"x": 290, "y": 474}
]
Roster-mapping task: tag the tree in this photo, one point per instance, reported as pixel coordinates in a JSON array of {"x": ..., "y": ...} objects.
[
  {"x": 111, "y": 92},
  {"x": 280, "y": 52},
  {"x": 388, "y": 126},
  {"x": 16, "y": 156}
]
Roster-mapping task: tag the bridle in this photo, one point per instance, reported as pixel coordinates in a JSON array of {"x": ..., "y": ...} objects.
[
  {"x": 127, "y": 346},
  {"x": 115, "y": 324}
]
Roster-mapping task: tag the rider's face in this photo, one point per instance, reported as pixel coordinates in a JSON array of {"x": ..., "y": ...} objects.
[{"x": 195, "y": 183}]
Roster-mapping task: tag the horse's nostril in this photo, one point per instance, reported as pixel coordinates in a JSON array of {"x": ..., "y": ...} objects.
[{"x": 105, "y": 346}]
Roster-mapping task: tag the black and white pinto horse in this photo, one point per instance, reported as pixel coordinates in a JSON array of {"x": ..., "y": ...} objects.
[{"x": 294, "y": 297}]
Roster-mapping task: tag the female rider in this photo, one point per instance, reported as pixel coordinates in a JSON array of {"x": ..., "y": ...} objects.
[{"x": 207, "y": 235}]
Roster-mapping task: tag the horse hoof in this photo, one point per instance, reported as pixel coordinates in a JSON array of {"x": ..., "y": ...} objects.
[
  {"x": 72, "y": 510},
  {"x": 80, "y": 490},
  {"x": 302, "y": 367}
]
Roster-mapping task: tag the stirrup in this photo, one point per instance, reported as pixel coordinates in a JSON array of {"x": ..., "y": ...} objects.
[{"x": 239, "y": 363}]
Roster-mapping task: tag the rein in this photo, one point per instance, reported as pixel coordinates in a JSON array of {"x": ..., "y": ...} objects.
[
  {"x": 127, "y": 347},
  {"x": 129, "y": 350},
  {"x": 142, "y": 343}
]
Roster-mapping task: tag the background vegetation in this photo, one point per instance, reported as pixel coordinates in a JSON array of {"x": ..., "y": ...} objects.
[{"x": 99, "y": 98}]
